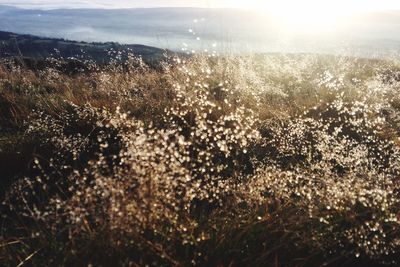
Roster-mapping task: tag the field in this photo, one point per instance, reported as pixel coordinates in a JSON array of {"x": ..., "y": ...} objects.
[{"x": 256, "y": 160}]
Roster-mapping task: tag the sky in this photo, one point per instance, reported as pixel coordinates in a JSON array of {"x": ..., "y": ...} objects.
[
  {"x": 362, "y": 5},
  {"x": 49, "y": 4}
]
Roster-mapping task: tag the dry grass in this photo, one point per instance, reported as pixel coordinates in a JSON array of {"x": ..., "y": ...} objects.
[{"x": 259, "y": 161}]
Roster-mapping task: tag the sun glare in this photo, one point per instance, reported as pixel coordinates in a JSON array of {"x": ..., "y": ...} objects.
[{"x": 308, "y": 15}]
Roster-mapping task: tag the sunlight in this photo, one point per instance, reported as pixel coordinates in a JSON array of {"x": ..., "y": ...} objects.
[{"x": 308, "y": 15}]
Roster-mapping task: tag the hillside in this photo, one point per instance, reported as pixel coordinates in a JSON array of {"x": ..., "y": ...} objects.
[
  {"x": 274, "y": 160},
  {"x": 251, "y": 133},
  {"x": 232, "y": 30},
  {"x": 40, "y": 48}
]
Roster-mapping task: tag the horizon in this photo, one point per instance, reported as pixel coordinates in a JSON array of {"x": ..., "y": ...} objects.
[
  {"x": 354, "y": 6},
  {"x": 200, "y": 133},
  {"x": 306, "y": 26}
]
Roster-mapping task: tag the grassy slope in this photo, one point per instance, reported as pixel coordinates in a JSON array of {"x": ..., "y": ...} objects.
[
  {"x": 40, "y": 48},
  {"x": 280, "y": 90}
]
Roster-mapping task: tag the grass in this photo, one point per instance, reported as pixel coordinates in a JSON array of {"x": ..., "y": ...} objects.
[{"x": 263, "y": 160}]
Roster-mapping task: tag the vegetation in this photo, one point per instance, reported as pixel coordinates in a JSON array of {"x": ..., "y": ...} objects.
[
  {"x": 31, "y": 50},
  {"x": 263, "y": 160}
]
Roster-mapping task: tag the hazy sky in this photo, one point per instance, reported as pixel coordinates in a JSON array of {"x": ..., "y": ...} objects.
[
  {"x": 101, "y": 3},
  {"x": 252, "y": 4}
]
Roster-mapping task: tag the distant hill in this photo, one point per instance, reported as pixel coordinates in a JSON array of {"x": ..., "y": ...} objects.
[
  {"x": 200, "y": 29},
  {"x": 39, "y": 48}
]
